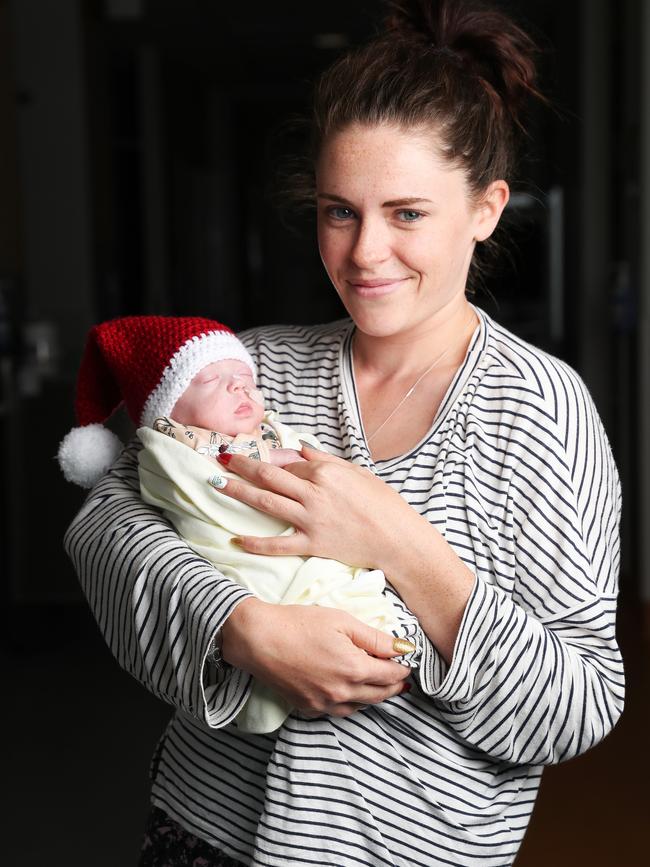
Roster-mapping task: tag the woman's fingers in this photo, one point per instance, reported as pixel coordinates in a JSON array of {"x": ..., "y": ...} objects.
[
  {"x": 264, "y": 475},
  {"x": 270, "y": 489},
  {"x": 363, "y": 698},
  {"x": 309, "y": 655},
  {"x": 377, "y": 643},
  {"x": 295, "y": 545},
  {"x": 282, "y": 457},
  {"x": 269, "y": 502},
  {"x": 312, "y": 454},
  {"x": 362, "y": 702}
]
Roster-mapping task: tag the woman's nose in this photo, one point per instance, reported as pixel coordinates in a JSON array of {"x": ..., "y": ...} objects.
[{"x": 371, "y": 245}]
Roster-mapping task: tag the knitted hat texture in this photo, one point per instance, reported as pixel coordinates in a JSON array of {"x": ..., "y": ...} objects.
[{"x": 145, "y": 362}]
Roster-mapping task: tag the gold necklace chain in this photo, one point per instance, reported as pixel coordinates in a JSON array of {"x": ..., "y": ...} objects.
[{"x": 412, "y": 389}]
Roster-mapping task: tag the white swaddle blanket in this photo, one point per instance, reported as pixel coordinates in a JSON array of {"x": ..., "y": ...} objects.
[{"x": 185, "y": 486}]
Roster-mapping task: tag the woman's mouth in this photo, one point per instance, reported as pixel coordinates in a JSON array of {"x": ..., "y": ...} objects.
[{"x": 377, "y": 287}]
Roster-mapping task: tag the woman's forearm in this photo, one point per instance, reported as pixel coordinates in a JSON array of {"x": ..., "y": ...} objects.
[
  {"x": 156, "y": 602},
  {"x": 432, "y": 580},
  {"x": 321, "y": 659}
]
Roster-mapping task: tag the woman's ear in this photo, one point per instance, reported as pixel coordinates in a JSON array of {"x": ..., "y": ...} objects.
[{"x": 490, "y": 208}]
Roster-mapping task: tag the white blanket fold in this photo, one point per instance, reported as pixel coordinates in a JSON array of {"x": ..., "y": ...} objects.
[{"x": 185, "y": 486}]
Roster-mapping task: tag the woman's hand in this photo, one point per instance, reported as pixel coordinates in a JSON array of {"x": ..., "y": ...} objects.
[
  {"x": 322, "y": 660},
  {"x": 344, "y": 512},
  {"x": 339, "y": 510},
  {"x": 282, "y": 457}
]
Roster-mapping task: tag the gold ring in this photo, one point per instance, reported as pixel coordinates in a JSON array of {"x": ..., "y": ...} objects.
[{"x": 402, "y": 646}]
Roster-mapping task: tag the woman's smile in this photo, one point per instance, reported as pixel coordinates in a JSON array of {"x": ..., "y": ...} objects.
[{"x": 377, "y": 288}]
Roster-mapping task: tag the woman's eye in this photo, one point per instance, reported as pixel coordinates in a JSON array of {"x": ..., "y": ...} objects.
[
  {"x": 409, "y": 216},
  {"x": 340, "y": 213}
]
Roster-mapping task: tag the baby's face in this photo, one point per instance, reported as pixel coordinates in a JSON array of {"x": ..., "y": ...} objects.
[{"x": 222, "y": 397}]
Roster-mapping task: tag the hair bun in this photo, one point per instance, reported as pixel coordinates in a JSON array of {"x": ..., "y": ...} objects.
[{"x": 485, "y": 40}]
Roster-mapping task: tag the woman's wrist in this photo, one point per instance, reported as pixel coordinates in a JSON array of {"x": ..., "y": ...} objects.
[
  {"x": 241, "y": 623},
  {"x": 433, "y": 582},
  {"x": 412, "y": 549}
]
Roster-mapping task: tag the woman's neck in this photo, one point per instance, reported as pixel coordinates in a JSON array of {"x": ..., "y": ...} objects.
[{"x": 404, "y": 355}]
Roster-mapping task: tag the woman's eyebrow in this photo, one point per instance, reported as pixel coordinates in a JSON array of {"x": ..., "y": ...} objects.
[
  {"x": 332, "y": 198},
  {"x": 400, "y": 203},
  {"x": 392, "y": 203}
]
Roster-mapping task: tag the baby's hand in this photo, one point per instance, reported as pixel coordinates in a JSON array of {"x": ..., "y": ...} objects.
[{"x": 282, "y": 457}]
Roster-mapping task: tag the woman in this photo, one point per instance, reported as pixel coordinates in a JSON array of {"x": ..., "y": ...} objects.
[{"x": 469, "y": 466}]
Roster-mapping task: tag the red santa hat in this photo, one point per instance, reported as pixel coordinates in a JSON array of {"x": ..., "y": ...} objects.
[{"x": 145, "y": 363}]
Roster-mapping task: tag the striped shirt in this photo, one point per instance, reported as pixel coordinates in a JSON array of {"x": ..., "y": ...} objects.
[{"x": 517, "y": 474}]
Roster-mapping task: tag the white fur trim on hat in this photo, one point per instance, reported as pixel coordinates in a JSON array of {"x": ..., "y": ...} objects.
[
  {"x": 86, "y": 453},
  {"x": 192, "y": 357}
]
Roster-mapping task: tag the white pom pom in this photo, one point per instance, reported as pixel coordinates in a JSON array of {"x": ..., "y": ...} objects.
[{"x": 86, "y": 453}]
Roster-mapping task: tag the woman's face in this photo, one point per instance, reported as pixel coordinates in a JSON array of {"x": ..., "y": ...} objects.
[{"x": 397, "y": 227}]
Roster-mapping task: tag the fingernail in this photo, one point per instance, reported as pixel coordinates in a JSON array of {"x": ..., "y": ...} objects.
[
  {"x": 224, "y": 458},
  {"x": 309, "y": 445},
  {"x": 402, "y": 646},
  {"x": 406, "y": 687},
  {"x": 237, "y": 541}
]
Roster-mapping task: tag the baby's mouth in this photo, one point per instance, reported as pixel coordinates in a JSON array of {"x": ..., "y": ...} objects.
[{"x": 244, "y": 409}]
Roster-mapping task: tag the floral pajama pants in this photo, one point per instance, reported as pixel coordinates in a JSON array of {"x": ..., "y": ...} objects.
[{"x": 167, "y": 844}]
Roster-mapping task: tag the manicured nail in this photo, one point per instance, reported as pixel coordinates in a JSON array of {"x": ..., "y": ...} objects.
[
  {"x": 237, "y": 541},
  {"x": 224, "y": 458},
  {"x": 406, "y": 687},
  {"x": 402, "y": 646}
]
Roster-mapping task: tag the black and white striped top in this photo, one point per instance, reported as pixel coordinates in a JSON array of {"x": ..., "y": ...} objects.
[{"x": 517, "y": 473}]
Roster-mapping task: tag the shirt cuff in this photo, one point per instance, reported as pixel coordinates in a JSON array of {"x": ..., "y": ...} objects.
[{"x": 224, "y": 689}]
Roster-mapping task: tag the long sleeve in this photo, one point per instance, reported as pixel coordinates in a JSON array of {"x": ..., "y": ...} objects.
[
  {"x": 537, "y": 676},
  {"x": 516, "y": 474},
  {"x": 156, "y": 602}
]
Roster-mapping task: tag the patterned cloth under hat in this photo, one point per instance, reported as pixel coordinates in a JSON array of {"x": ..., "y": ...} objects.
[{"x": 145, "y": 363}]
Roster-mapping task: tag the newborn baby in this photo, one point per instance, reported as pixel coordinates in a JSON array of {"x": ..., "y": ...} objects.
[
  {"x": 190, "y": 385},
  {"x": 222, "y": 410}
]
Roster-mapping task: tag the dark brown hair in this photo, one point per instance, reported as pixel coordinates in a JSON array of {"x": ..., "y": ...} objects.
[
  {"x": 453, "y": 66},
  {"x": 459, "y": 68}
]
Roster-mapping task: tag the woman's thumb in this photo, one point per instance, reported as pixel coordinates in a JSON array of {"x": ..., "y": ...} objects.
[
  {"x": 378, "y": 643},
  {"x": 311, "y": 453}
]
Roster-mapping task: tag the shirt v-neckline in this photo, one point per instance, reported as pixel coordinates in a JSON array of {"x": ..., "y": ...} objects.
[{"x": 350, "y": 395}]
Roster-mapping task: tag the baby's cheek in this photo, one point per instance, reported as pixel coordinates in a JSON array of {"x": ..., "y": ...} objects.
[
  {"x": 256, "y": 395},
  {"x": 259, "y": 415}
]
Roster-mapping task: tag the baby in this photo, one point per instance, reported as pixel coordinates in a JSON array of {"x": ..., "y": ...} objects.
[
  {"x": 222, "y": 410},
  {"x": 200, "y": 402}
]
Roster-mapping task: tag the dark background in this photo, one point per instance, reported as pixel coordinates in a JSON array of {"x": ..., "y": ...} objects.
[{"x": 138, "y": 143}]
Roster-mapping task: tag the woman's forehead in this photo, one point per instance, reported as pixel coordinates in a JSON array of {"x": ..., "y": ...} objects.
[{"x": 386, "y": 160}]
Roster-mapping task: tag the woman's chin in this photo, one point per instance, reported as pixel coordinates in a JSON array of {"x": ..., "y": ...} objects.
[
  {"x": 378, "y": 317},
  {"x": 379, "y": 324}
]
